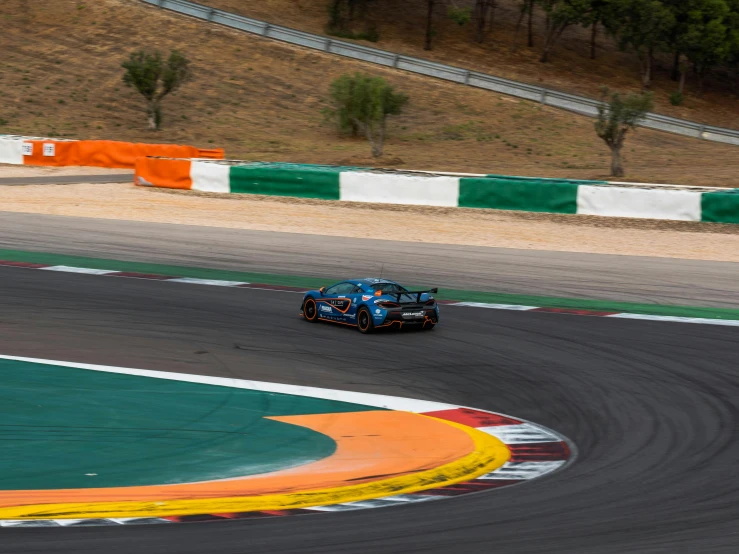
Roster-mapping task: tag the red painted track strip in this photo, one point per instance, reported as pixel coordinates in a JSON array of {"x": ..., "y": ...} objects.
[
  {"x": 572, "y": 311},
  {"x": 23, "y": 264},
  {"x": 185, "y": 519},
  {"x": 140, "y": 275},
  {"x": 470, "y": 486},
  {"x": 272, "y": 287},
  {"x": 473, "y": 418},
  {"x": 540, "y": 452}
]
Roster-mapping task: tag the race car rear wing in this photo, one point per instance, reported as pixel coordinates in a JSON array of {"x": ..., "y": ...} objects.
[{"x": 418, "y": 293}]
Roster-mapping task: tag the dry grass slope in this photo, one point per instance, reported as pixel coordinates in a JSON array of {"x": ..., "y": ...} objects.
[
  {"x": 401, "y": 27},
  {"x": 60, "y": 75}
]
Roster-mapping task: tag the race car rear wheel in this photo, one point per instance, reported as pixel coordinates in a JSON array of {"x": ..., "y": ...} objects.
[
  {"x": 310, "y": 311},
  {"x": 364, "y": 321}
]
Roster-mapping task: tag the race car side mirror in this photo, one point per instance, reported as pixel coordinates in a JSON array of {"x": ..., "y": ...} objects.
[{"x": 322, "y": 290}]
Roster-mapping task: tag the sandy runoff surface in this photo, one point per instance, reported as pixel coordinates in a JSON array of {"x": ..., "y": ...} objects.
[{"x": 570, "y": 233}]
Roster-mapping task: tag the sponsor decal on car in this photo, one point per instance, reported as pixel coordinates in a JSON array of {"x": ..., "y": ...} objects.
[
  {"x": 413, "y": 314},
  {"x": 341, "y": 304},
  {"x": 326, "y": 308},
  {"x": 366, "y": 297},
  {"x": 378, "y": 311}
]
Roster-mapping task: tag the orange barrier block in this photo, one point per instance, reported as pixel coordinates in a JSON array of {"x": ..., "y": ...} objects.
[
  {"x": 108, "y": 153},
  {"x": 47, "y": 152},
  {"x": 161, "y": 172}
]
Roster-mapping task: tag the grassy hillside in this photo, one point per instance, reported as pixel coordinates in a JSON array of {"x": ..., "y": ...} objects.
[
  {"x": 401, "y": 27},
  {"x": 60, "y": 75}
]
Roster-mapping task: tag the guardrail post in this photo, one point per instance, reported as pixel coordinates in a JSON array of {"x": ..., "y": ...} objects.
[
  {"x": 701, "y": 132},
  {"x": 543, "y": 99},
  {"x": 265, "y": 30},
  {"x": 209, "y": 17},
  {"x": 466, "y": 77},
  {"x": 327, "y": 48},
  {"x": 396, "y": 59}
]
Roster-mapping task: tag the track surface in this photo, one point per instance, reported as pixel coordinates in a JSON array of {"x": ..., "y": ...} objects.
[
  {"x": 626, "y": 278},
  {"x": 653, "y": 408}
]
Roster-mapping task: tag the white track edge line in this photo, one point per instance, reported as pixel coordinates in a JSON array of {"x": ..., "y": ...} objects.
[
  {"x": 509, "y": 307},
  {"x": 367, "y": 399}
]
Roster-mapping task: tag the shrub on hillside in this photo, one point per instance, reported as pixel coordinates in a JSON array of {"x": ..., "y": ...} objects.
[
  {"x": 361, "y": 105},
  {"x": 154, "y": 77},
  {"x": 617, "y": 115}
]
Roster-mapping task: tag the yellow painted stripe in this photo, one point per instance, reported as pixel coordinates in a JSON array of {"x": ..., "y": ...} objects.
[{"x": 489, "y": 454}]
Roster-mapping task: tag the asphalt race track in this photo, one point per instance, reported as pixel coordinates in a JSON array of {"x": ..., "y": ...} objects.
[
  {"x": 568, "y": 274},
  {"x": 653, "y": 408},
  {"x": 67, "y": 179}
]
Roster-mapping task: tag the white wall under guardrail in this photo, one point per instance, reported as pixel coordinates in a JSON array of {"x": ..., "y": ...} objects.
[{"x": 578, "y": 104}]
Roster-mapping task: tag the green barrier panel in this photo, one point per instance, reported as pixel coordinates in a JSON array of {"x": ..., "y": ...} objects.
[
  {"x": 530, "y": 195},
  {"x": 720, "y": 207},
  {"x": 303, "y": 181}
]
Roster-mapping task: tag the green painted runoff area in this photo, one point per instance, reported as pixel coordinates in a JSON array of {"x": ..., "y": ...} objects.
[
  {"x": 63, "y": 427},
  {"x": 314, "y": 282}
]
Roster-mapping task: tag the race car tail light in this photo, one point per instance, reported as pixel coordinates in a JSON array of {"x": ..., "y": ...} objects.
[
  {"x": 430, "y": 302},
  {"x": 388, "y": 305}
]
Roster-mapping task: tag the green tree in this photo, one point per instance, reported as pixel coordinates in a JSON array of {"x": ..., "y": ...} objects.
[
  {"x": 561, "y": 14},
  {"x": 430, "y": 4},
  {"x": 707, "y": 37},
  {"x": 617, "y": 115},
  {"x": 348, "y": 19},
  {"x": 155, "y": 78},
  {"x": 483, "y": 16},
  {"x": 642, "y": 26},
  {"x": 364, "y": 102},
  {"x": 596, "y": 16},
  {"x": 733, "y": 61},
  {"x": 526, "y": 8}
]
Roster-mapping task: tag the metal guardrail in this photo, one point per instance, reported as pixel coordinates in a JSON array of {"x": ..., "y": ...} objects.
[{"x": 577, "y": 104}]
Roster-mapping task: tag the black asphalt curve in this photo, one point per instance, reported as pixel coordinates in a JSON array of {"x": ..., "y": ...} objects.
[
  {"x": 567, "y": 274},
  {"x": 653, "y": 408},
  {"x": 68, "y": 179}
]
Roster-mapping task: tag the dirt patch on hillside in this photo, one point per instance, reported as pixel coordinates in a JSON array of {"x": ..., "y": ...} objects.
[
  {"x": 262, "y": 100},
  {"x": 569, "y": 233},
  {"x": 401, "y": 27}
]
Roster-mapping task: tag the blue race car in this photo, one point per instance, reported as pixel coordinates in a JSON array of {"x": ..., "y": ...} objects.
[{"x": 370, "y": 304}]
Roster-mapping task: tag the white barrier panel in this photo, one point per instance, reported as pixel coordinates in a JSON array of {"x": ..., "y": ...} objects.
[
  {"x": 640, "y": 203},
  {"x": 11, "y": 151},
  {"x": 210, "y": 177},
  {"x": 386, "y": 188}
]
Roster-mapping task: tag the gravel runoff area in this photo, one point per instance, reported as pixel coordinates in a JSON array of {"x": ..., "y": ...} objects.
[{"x": 505, "y": 229}]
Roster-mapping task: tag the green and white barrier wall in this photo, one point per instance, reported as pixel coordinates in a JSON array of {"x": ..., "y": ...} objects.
[{"x": 498, "y": 192}]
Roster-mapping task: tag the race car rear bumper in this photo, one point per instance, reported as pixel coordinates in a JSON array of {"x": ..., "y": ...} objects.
[{"x": 402, "y": 318}]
